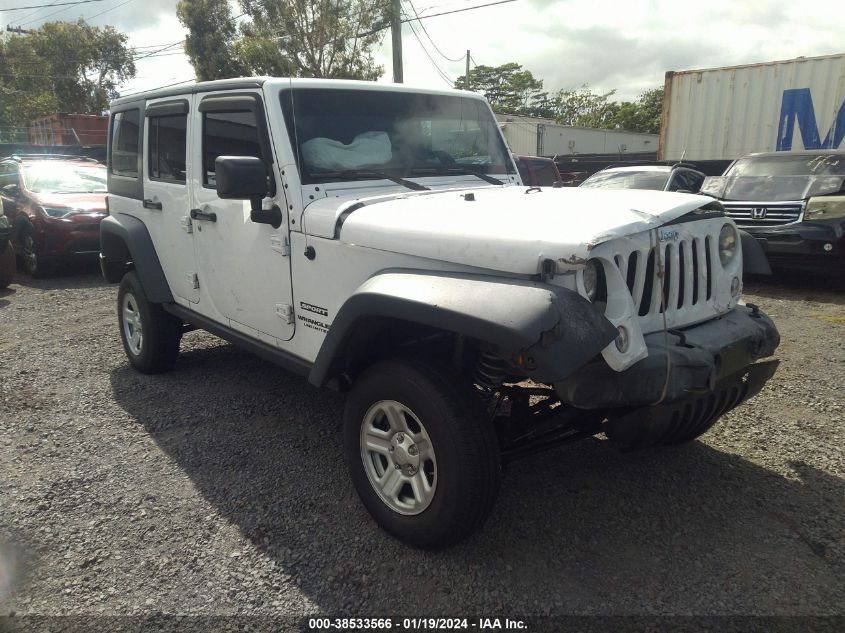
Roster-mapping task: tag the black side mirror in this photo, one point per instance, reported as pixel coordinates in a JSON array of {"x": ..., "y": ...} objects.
[
  {"x": 240, "y": 177},
  {"x": 12, "y": 190},
  {"x": 245, "y": 178}
]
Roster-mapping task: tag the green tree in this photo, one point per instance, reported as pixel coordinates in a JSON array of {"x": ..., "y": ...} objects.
[
  {"x": 212, "y": 39},
  {"x": 88, "y": 63},
  {"x": 260, "y": 55},
  {"x": 24, "y": 93},
  {"x": 508, "y": 88},
  {"x": 315, "y": 38},
  {"x": 585, "y": 108},
  {"x": 642, "y": 115},
  {"x": 60, "y": 67}
]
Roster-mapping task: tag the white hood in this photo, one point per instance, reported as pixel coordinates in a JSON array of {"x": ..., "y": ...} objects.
[{"x": 504, "y": 228}]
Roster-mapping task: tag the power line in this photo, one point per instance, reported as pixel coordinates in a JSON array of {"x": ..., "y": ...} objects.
[
  {"x": 480, "y": 6},
  {"x": 47, "y": 15},
  {"x": 70, "y": 60},
  {"x": 34, "y": 12},
  {"x": 54, "y": 4},
  {"x": 152, "y": 53},
  {"x": 419, "y": 21},
  {"x": 442, "y": 74},
  {"x": 433, "y": 15},
  {"x": 117, "y": 6}
]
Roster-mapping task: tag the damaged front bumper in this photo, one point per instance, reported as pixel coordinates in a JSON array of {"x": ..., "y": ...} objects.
[{"x": 680, "y": 364}]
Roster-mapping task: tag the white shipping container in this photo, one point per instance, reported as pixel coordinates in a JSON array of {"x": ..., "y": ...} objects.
[
  {"x": 725, "y": 113},
  {"x": 543, "y": 137}
]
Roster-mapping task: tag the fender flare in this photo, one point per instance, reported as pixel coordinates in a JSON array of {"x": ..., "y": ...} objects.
[
  {"x": 557, "y": 328},
  {"x": 754, "y": 260},
  {"x": 124, "y": 239}
]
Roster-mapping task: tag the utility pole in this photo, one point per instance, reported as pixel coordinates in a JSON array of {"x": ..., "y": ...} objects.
[
  {"x": 396, "y": 29},
  {"x": 466, "y": 83}
]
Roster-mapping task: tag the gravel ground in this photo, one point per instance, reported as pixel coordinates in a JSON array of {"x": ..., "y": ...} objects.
[{"x": 219, "y": 488}]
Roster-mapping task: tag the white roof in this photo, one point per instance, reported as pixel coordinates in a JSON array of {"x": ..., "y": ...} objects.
[{"x": 657, "y": 168}]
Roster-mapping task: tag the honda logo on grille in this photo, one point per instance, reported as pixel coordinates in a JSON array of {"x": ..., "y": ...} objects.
[{"x": 758, "y": 213}]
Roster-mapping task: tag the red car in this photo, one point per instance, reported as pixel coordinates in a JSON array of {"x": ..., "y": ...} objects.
[
  {"x": 54, "y": 205},
  {"x": 537, "y": 171}
]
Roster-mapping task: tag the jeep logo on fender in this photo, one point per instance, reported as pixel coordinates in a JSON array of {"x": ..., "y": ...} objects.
[{"x": 665, "y": 236}]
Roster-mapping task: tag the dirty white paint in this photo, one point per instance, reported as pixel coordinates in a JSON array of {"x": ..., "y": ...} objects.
[{"x": 505, "y": 229}]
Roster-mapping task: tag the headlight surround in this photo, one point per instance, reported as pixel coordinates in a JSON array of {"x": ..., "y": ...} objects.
[
  {"x": 590, "y": 278},
  {"x": 55, "y": 212},
  {"x": 728, "y": 244},
  {"x": 825, "y": 208}
]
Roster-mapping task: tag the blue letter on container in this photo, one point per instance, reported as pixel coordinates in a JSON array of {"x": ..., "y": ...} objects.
[{"x": 797, "y": 105}]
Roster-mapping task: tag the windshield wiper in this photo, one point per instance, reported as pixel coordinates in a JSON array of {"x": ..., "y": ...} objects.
[
  {"x": 352, "y": 173},
  {"x": 462, "y": 171}
]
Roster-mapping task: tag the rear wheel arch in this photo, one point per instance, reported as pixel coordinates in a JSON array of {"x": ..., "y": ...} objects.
[{"x": 123, "y": 235}]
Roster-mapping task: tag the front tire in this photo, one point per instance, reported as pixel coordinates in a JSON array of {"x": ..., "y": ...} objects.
[
  {"x": 424, "y": 464},
  {"x": 33, "y": 260},
  {"x": 150, "y": 335}
]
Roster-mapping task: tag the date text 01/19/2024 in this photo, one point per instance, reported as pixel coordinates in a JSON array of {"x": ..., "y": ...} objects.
[{"x": 416, "y": 624}]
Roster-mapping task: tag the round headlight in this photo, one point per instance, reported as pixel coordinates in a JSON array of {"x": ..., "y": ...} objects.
[
  {"x": 4, "y": 222},
  {"x": 591, "y": 279},
  {"x": 728, "y": 239}
]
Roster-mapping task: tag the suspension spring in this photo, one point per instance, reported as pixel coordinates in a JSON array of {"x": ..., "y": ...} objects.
[{"x": 490, "y": 371}]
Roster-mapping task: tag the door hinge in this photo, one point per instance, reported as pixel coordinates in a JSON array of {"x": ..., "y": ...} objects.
[
  {"x": 280, "y": 244},
  {"x": 193, "y": 281},
  {"x": 285, "y": 312},
  {"x": 185, "y": 223}
]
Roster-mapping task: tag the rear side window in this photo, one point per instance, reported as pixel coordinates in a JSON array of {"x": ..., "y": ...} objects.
[
  {"x": 167, "y": 147},
  {"x": 227, "y": 134},
  {"x": 124, "y": 143}
]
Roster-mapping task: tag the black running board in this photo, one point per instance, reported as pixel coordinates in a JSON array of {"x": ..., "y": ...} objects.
[{"x": 273, "y": 354}]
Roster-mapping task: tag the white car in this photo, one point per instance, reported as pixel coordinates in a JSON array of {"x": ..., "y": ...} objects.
[
  {"x": 679, "y": 177},
  {"x": 377, "y": 239}
]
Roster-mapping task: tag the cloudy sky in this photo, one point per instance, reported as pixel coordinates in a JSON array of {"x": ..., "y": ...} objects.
[{"x": 627, "y": 46}]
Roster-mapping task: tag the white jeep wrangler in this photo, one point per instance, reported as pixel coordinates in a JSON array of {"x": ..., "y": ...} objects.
[{"x": 377, "y": 239}]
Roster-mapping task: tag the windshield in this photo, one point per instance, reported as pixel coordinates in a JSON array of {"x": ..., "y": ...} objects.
[
  {"x": 54, "y": 177},
  {"x": 355, "y": 134},
  {"x": 628, "y": 179},
  {"x": 779, "y": 178},
  {"x": 789, "y": 165}
]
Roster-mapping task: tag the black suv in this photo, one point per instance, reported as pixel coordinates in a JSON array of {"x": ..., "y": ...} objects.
[{"x": 793, "y": 203}]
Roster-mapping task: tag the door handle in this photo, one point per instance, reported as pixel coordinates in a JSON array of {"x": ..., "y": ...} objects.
[
  {"x": 199, "y": 214},
  {"x": 151, "y": 204}
]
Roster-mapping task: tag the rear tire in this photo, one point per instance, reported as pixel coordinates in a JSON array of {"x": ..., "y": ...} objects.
[
  {"x": 150, "y": 335},
  {"x": 423, "y": 419},
  {"x": 7, "y": 265}
]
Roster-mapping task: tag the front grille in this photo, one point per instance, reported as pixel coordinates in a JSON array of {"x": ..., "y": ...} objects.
[
  {"x": 763, "y": 213},
  {"x": 670, "y": 277},
  {"x": 87, "y": 227}
]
